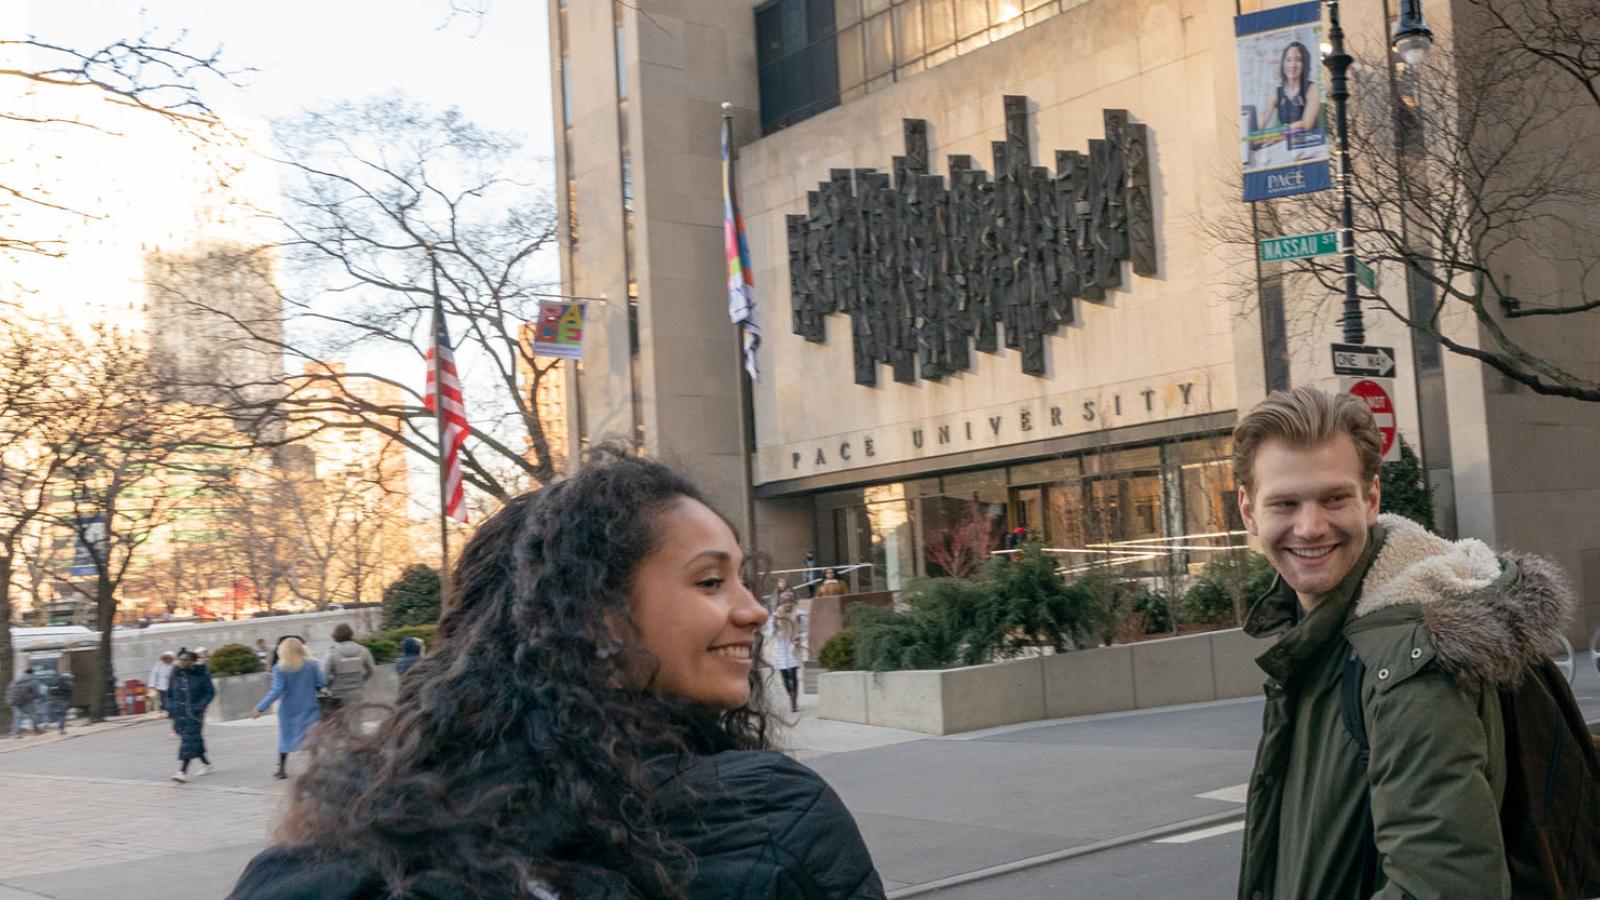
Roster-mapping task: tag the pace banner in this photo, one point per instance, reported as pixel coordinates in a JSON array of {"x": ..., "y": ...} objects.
[
  {"x": 1283, "y": 125},
  {"x": 559, "y": 331}
]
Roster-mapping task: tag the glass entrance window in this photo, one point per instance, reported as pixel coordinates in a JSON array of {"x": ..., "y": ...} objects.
[{"x": 1145, "y": 511}]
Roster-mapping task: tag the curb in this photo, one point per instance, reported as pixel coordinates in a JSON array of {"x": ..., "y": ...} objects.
[
  {"x": 1138, "y": 837},
  {"x": 11, "y": 745}
]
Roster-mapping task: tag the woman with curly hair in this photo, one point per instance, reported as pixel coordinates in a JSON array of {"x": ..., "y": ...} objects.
[{"x": 588, "y": 725}]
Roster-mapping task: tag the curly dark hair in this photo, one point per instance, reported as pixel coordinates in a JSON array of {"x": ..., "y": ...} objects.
[{"x": 518, "y": 756}]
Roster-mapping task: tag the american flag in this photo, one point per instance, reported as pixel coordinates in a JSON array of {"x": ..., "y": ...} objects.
[{"x": 444, "y": 391}]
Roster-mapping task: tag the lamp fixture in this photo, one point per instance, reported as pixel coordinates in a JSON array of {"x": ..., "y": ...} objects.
[{"x": 1412, "y": 37}]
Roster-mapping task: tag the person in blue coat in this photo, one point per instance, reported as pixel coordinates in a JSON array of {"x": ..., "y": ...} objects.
[
  {"x": 188, "y": 695},
  {"x": 296, "y": 684}
]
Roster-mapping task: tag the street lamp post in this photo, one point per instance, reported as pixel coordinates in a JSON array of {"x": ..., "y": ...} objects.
[
  {"x": 1411, "y": 41},
  {"x": 1338, "y": 63}
]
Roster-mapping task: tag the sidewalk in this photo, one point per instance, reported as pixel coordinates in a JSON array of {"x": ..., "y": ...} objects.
[{"x": 95, "y": 814}]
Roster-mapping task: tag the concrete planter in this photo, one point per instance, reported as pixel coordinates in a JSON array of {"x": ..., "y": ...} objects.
[
  {"x": 237, "y": 695},
  {"x": 1212, "y": 666}
]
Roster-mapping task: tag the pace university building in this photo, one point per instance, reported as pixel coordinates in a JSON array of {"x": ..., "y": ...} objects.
[{"x": 993, "y": 280}]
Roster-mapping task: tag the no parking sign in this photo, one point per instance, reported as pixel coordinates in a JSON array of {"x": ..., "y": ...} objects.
[{"x": 1377, "y": 394}]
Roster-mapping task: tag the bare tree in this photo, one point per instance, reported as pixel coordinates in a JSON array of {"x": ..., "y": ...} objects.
[
  {"x": 388, "y": 201},
  {"x": 155, "y": 74},
  {"x": 122, "y": 444},
  {"x": 1479, "y": 162},
  {"x": 30, "y": 386}
]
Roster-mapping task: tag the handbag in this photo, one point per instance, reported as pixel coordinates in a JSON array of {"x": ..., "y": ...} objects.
[{"x": 327, "y": 702}]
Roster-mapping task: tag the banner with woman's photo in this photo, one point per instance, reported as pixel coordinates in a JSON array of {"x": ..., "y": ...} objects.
[{"x": 1283, "y": 125}]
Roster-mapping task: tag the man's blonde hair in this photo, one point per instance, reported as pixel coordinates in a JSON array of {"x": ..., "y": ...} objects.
[
  {"x": 1303, "y": 418},
  {"x": 292, "y": 654}
]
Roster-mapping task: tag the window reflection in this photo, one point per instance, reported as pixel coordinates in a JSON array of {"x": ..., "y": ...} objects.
[{"x": 1150, "y": 511}]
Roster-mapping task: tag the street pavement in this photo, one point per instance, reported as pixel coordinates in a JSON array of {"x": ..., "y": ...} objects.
[{"x": 1126, "y": 805}]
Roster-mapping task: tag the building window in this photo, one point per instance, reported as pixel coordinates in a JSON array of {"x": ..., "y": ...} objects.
[
  {"x": 797, "y": 58},
  {"x": 1154, "y": 511},
  {"x": 622, "y": 62},
  {"x": 815, "y": 54},
  {"x": 566, "y": 91}
]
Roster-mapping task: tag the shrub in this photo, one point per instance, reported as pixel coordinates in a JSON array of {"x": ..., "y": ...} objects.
[
  {"x": 1226, "y": 587},
  {"x": 1157, "y": 613},
  {"x": 1114, "y": 598},
  {"x": 1039, "y": 607},
  {"x": 1405, "y": 488},
  {"x": 233, "y": 659},
  {"x": 839, "y": 653},
  {"x": 1012, "y": 606},
  {"x": 413, "y": 598},
  {"x": 920, "y": 637},
  {"x": 385, "y": 645}
]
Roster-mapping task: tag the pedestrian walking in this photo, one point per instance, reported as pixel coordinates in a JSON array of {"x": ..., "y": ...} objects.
[
  {"x": 810, "y": 573},
  {"x": 58, "y": 699},
  {"x": 589, "y": 724},
  {"x": 161, "y": 678},
  {"x": 190, "y": 692},
  {"x": 785, "y": 634},
  {"x": 410, "y": 655},
  {"x": 263, "y": 654},
  {"x": 1413, "y": 635},
  {"x": 347, "y": 666},
  {"x": 294, "y": 686},
  {"x": 24, "y": 698},
  {"x": 831, "y": 586}
]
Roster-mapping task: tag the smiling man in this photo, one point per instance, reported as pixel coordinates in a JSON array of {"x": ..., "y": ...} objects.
[{"x": 1422, "y": 629}]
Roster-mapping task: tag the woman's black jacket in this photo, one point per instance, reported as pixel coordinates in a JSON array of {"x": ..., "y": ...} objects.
[{"x": 765, "y": 826}]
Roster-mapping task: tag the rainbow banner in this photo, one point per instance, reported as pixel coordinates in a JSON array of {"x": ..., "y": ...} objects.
[{"x": 741, "y": 282}]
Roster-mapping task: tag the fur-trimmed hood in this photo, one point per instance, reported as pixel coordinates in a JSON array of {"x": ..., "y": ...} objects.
[{"x": 1488, "y": 617}]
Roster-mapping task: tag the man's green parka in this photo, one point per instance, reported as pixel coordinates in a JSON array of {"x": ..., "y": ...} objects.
[{"x": 1438, "y": 625}]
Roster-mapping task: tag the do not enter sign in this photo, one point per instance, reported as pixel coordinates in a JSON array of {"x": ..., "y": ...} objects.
[{"x": 1377, "y": 398}]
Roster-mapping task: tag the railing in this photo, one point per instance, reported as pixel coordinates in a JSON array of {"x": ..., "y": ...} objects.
[
  {"x": 1115, "y": 554},
  {"x": 806, "y": 573}
]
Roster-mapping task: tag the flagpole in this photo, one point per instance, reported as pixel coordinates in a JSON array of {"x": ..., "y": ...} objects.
[
  {"x": 438, "y": 418},
  {"x": 747, "y": 425}
]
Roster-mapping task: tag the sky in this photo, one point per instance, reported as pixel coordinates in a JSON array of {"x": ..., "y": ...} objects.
[
  {"x": 312, "y": 51},
  {"x": 306, "y": 53}
]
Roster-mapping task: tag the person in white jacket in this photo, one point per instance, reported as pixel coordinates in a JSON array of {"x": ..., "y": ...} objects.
[{"x": 160, "y": 679}]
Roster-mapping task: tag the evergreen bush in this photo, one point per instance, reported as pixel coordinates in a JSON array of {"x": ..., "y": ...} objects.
[
  {"x": 839, "y": 653},
  {"x": 1226, "y": 587},
  {"x": 233, "y": 659},
  {"x": 1405, "y": 489},
  {"x": 385, "y": 645},
  {"x": 1157, "y": 613},
  {"x": 413, "y": 598},
  {"x": 1014, "y": 605}
]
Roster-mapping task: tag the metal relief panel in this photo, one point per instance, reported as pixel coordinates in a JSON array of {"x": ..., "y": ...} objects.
[{"x": 930, "y": 271}]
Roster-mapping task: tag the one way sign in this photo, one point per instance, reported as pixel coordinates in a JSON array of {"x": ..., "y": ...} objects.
[{"x": 1357, "y": 360}]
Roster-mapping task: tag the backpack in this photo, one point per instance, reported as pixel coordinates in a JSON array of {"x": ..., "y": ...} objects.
[
  {"x": 24, "y": 691},
  {"x": 61, "y": 688},
  {"x": 349, "y": 673},
  {"x": 1550, "y": 816}
]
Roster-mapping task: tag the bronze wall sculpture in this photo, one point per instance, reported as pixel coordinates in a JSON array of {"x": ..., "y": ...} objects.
[{"x": 928, "y": 271}]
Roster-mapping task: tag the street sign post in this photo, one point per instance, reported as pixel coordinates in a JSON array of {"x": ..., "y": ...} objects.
[
  {"x": 1378, "y": 394},
  {"x": 1300, "y": 246},
  {"x": 1360, "y": 361}
]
